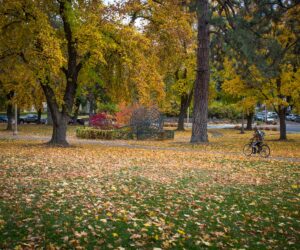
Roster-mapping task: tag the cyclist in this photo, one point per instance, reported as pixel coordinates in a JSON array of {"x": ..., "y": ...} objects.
[{"x": 258, "y": 138}]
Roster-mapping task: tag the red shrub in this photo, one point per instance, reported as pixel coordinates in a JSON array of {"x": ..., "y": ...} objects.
[
  {"x": 103, "y": 121},
  {"x": 125, "y": 113}
]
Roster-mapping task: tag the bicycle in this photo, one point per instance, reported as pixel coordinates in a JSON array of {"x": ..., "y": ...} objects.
[{"x": 252, "y": 148}]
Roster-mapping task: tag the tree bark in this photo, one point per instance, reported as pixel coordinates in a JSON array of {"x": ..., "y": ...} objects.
[
  {"x": 281, "y": 113},
  {"x": 59, "y": 119},
  {"x": 39, "y": 115},
  {"x": 91, "y": 101},
  {"x": 182, "y": 113},
  {"x": 76, "y": 110},
  {"x": 18, "y": 115},
  {"x": 249, "y": 120},
  {"x": 59, "y": 131},
  {"x": 282, "y": 124},
  {"x": 199, "y": 129},
  {"x": 10, "y": 111},
  {"x": 49, "y": 116},
  {"x": 185, "y": 102}
]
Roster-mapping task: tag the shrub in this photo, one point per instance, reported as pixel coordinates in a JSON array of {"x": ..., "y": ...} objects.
[
  {"x": 119, "y": 134},
  {"x": 221, "y": 111},
  {"x": 103, "y": 121},
  {"x": 94, "y": 133},
  {"x": 125, "y": 113}
]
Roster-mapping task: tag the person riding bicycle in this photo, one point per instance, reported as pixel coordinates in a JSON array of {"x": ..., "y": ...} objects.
[{"x": 258, "y": 139}]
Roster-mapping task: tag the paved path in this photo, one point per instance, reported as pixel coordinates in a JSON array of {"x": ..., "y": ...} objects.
[{"x": 74, "y": 140}]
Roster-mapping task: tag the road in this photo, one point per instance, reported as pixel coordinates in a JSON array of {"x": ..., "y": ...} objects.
[{"x": 293, "y": 127}]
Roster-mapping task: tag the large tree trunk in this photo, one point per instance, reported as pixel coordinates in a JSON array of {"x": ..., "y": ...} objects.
[
  {"x": 282, "y": 124},
  {"x": 249, "y": 121},
  {"x": 59, "y": 132},
  {"x": 199, "y": 130},
  {"x": 59, "y": 119},
  {"x": 10, "y": 111}
]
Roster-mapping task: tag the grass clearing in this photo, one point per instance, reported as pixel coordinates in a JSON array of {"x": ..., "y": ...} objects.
[{"x": 100, "y": 197}]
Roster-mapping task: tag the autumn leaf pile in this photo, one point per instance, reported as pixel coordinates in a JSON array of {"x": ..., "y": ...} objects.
[{"x": 109, "y": 197}]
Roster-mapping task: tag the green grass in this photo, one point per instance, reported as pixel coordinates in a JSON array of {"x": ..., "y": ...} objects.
[
  {"x": 92, "y": 196},
  {"x": 174, "y": 216}
]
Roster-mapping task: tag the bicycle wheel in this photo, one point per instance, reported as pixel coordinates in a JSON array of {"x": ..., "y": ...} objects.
[
  {"x": 247, "y": 149},
  {"x": 264, "y": 151}
]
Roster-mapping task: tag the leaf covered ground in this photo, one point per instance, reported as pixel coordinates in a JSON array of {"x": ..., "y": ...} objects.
[{"x": 101, "y": 197}]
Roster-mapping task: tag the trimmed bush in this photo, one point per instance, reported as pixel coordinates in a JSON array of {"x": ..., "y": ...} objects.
[
  {"x": 93, "y": 133},
  {"x": 118, "y": 134}
]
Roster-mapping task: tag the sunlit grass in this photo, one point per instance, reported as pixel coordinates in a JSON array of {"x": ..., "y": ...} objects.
[{"x": 114, "y": 197}]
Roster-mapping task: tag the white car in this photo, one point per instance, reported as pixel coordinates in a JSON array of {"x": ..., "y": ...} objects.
[
  {"x": 272, "y": 114},
  {"x": 291, "y": 117}
]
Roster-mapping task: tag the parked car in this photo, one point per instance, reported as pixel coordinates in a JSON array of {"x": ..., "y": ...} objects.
[
  {"x": 259, "y": 117},
  {"x": 272, "y": 115},
  {"x": 3, "y": 118},
  {"x": 31, "y": 118},
  {"x": 291, "y": 117},
  {"x": 44, "y": 121},
  {"x": 271, "y": 120},
  {"x": 79, "y": 121},
  {"x": 297, "y": 119}
]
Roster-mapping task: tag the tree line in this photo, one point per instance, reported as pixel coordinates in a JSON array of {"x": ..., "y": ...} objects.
[{"x": 173, "y": 53}]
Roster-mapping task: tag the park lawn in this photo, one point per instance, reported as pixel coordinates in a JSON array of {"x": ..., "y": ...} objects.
[
  {"x": 220, "y": 140},
  {"x": 36, "y": 129},
  {"x": 99, "y": 197}
]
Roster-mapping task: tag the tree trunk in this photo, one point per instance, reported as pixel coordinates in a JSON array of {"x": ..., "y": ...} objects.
[
  {"x": 59, "y": 119},
  {"x": 39, "y": 116},
  {"x": 49, "y": 116},
  {"x": 199, "y": 130},
  {"x": 182, "y": 114},
  {"x": 243, "y": 121},
  {"x": 76, "y": 110},
  {"x": 59, "y": 132},
  {"x": 18, "y": 115},
  {"x": 249, "y": 121},
  {"x": 10, "y": 111},
  {"x": 282, "y": 124},
  {"x": 185, "y": 102},
  {"x": 281, "y": 112},
  {"x": 10, "y": 115},
  {"x": 91, "y": 101}
]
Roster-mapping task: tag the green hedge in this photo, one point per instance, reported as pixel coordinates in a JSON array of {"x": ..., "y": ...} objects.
[
  {"x": 221, "y": 111},
  {"x": 124, "y": 134},
  {"x": 93, "y": 133}
]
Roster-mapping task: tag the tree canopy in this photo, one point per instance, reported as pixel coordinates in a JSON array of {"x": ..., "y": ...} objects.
[{"x": 166, "y": 53}]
